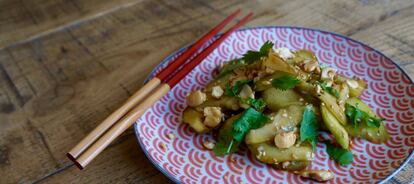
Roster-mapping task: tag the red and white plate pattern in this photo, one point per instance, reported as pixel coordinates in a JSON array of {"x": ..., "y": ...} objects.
[{"x": 390, "y": 93}]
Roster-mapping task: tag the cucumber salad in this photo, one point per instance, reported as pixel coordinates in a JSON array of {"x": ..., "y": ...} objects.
[{"x": 276, "y": 102}]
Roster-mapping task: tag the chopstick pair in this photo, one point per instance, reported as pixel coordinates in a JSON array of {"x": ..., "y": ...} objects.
[{"x": 124, "y": 117}]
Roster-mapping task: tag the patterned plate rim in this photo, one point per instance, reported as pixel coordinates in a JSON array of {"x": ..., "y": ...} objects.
[{"x": 163, "y": 62}]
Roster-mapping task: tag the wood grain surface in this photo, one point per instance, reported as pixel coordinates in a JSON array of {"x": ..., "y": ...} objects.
[{"x": 67, "y": 64}]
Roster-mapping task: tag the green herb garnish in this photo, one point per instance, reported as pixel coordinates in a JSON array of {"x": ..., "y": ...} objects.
[
  {"x": 252, "y": 56},
  {"x": 340, "y": 155},
  {"x": 229, "y": 140},
  {"x": 249, "y": 57},
  {"x": 230, "y": 67},
  {"x": 309, "y": 127},
  {"x": 250, "y": 119},
  {"x": 258, "y": 104},
  {"x": 329, "y": 89},
  {"x": 234, "y": 90},
  {"x": 356, "y": 116},
  {"x": 285, "y": 82},
  {"x": 225, "y": 147}
]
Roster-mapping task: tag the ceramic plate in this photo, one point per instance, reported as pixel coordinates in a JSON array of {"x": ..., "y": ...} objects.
[{"x": 390, "y": 93}]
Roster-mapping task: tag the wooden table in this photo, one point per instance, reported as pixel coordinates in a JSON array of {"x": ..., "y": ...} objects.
[{"x": 66, "y": 64}]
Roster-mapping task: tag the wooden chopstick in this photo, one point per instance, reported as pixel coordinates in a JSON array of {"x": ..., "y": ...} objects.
[
  {"x": 129, "y": 119},
  {"x": 145, "y": 90}
]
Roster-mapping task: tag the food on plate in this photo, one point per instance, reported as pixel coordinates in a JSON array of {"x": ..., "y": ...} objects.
[{"x": 276, "y": 102}]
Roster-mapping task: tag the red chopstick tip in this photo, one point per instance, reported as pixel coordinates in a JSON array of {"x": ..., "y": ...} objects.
[
  {"x": 250, "y": 14},
  {"x": 197, "y": 60},
  {"x": 73, "y": 159}
]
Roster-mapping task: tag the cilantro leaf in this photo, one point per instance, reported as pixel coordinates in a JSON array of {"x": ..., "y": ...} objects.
[
  {"x": 325, "y": 87},
  {"x": 225, "y": 147},
  {"x": 250, "y": 119},
  {"x": 356, "y": 116},
  {"x": 234, "y": 91},
  {"x": 252, "y": 56},
  {"x": 231, "y": 137},
  {"x": 353, "y": 114},
  {"x": 340, "y": 155},
  {"x": 258, "y": 104},
  {"x": 285, "y": 82},
  {"x": 225, "y": 143},
  {"x": 309, "y": 127},
  {"x": 229, "y": 67},
  {"x": 228, "y": 90},
  {"x": 266, "y": 47}
]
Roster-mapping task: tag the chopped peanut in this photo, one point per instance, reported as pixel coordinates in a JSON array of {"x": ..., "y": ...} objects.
[
  {"x": 318, "y": 175},
  {"x": 196, "y": 98},
  {"x": 310, "y": 66},
  {"x": 328, "y": 73},
  {"x": 284, "y": 53},
  {"x": 246, "y": 92},
  {"x": 285, "y": 139},
  {"x": 208, "y": 145},
  {"x": 213, "y": 116},
  {"x": 217, "y": 92}
]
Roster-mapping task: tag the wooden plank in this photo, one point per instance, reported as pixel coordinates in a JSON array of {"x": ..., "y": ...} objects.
[
  {"x": 22, "y": 20},
  {"x": 54, "y": 89},
  {"x": 49, "y": 79},
  {"x": 396, "y": 38},
  {"x": 132, "y": 167}
]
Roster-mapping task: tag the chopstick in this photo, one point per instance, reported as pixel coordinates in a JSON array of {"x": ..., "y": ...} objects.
[
  {"x": 197, "y": 60},
  {"x": 145, "y": 90},
  {"x": 129, "y": 119}
]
